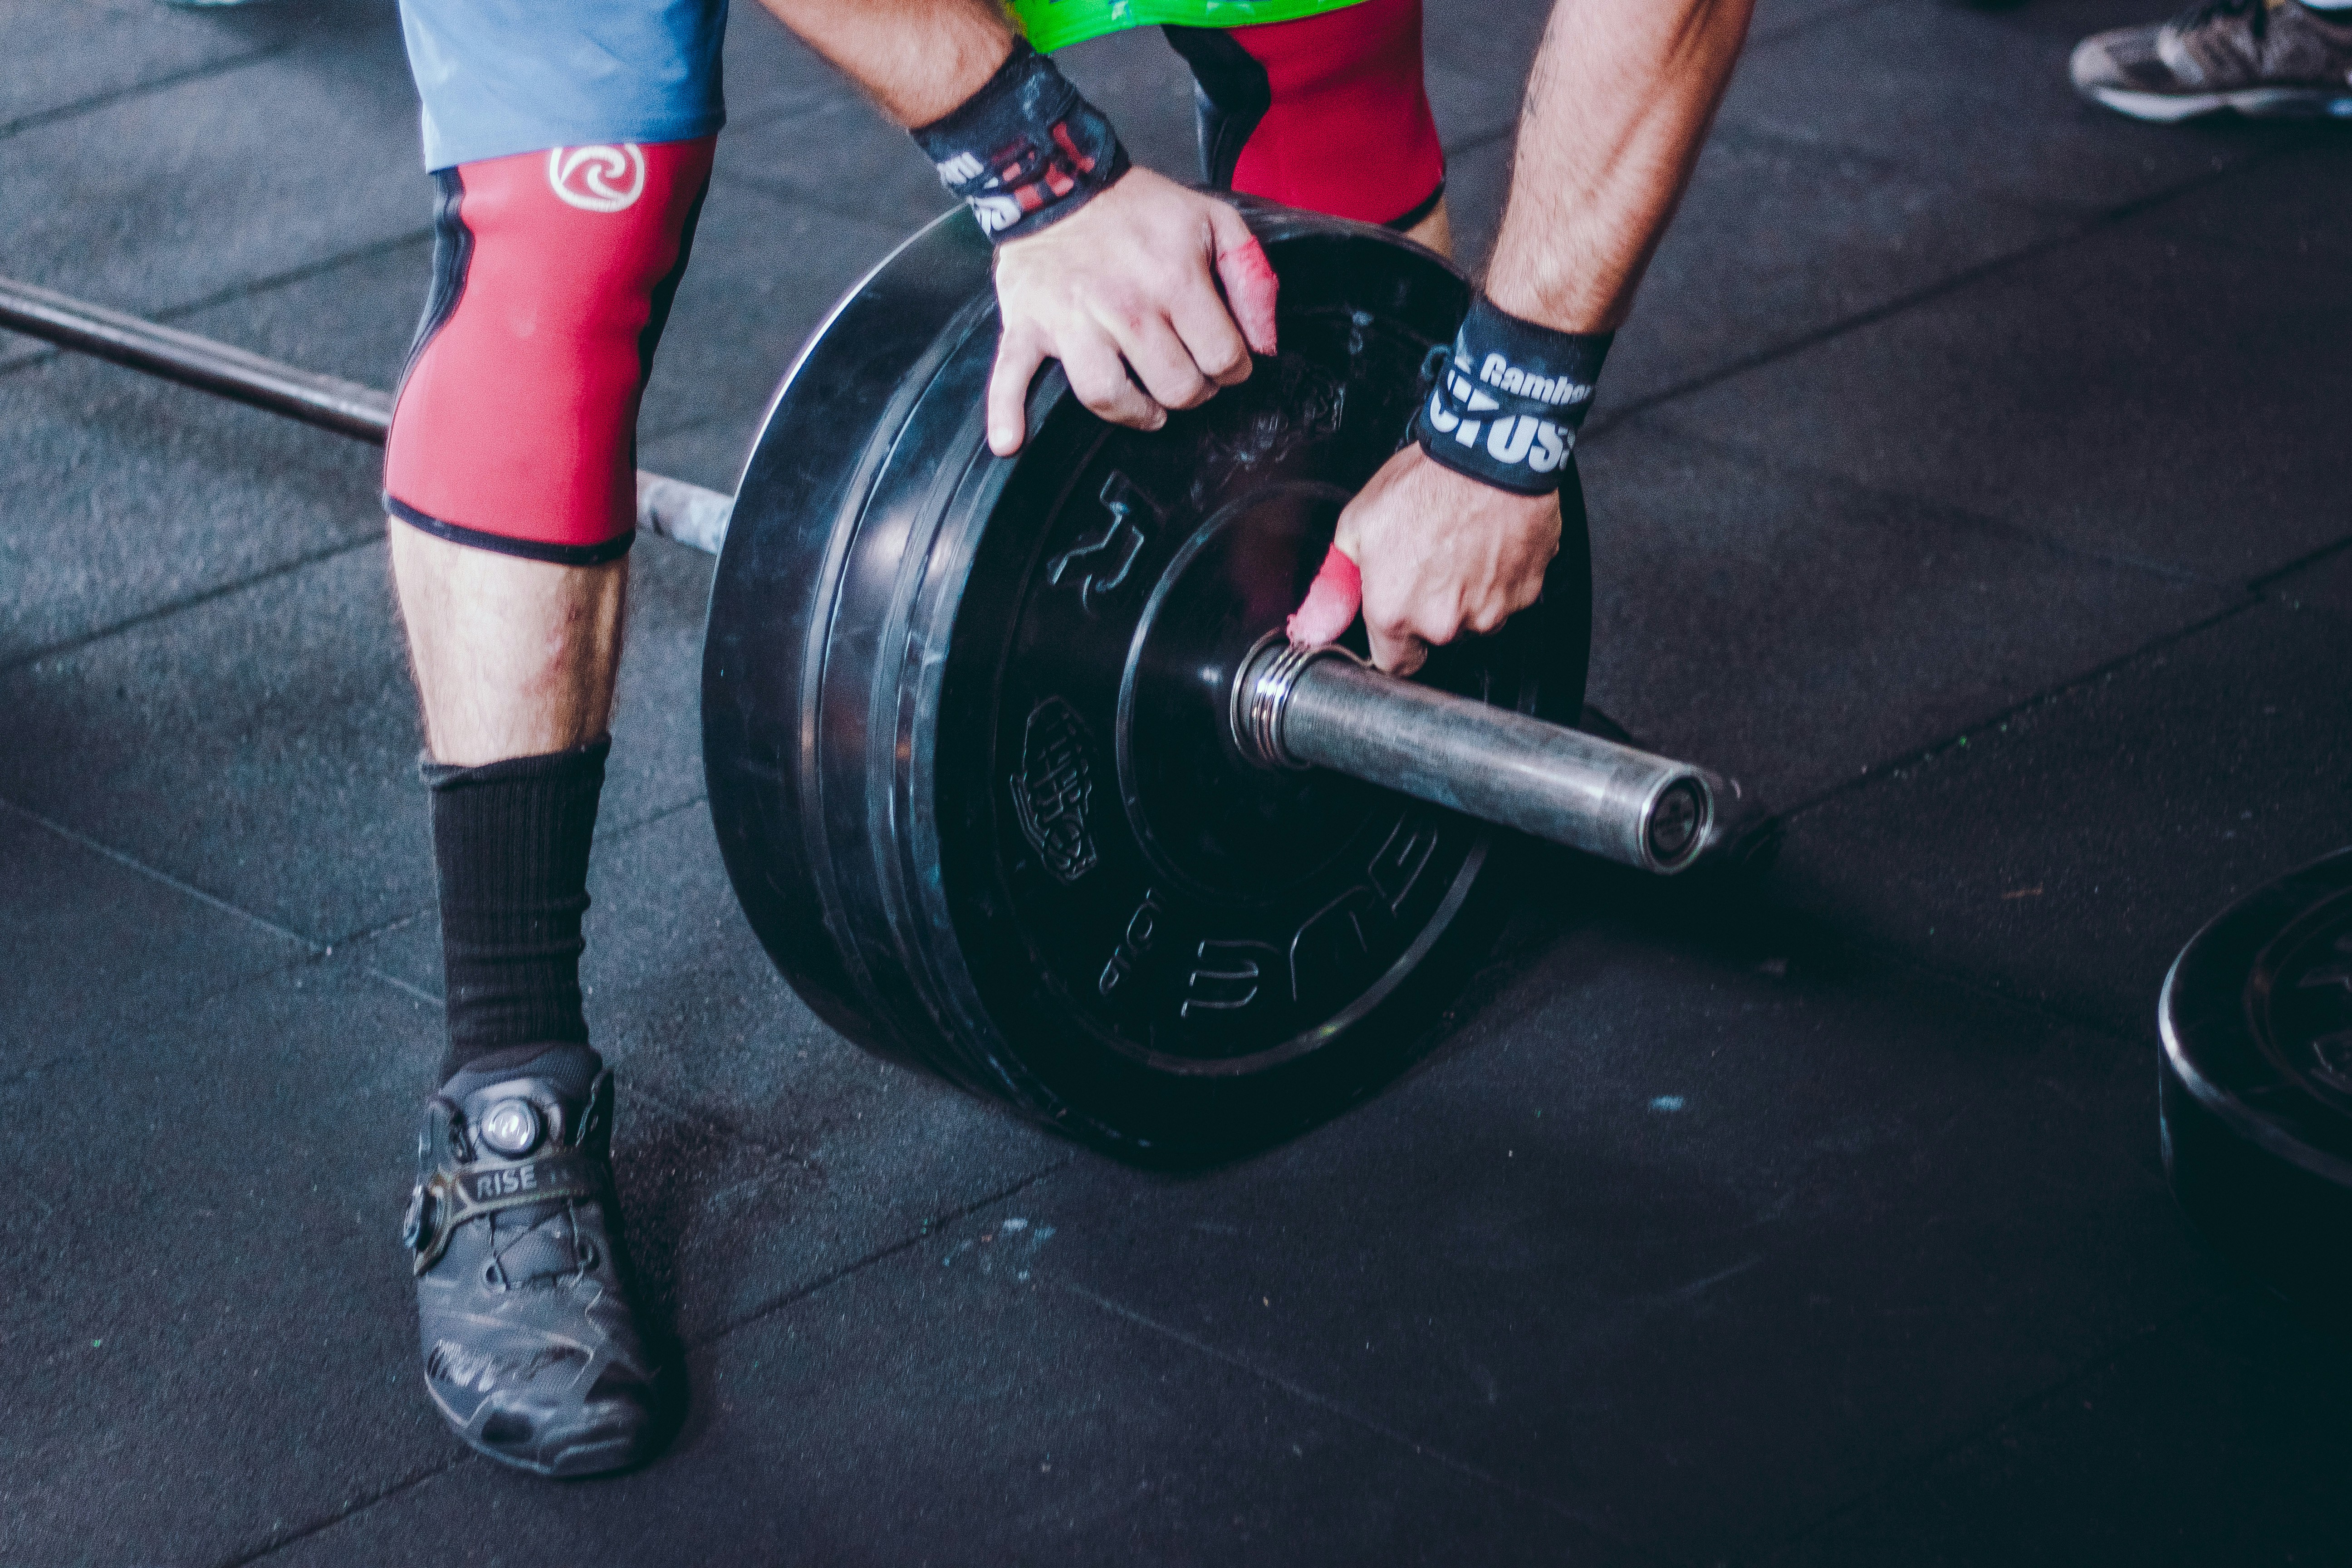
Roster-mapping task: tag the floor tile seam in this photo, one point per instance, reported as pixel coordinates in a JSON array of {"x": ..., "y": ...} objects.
[
  {"x": 406, "y": 1484},
  {"x": 1739, "y": 136},
  {"x": 382, "y": 927},
  {"x": 411, "y": 1482},
  {"x": 405, "y": 987},
  {"x": 2052, "y": 208},
  {"x": 2085, "y": 228},
  {"x": 1942, "y": 512},
  {"x": 630, "y": 827},
  {"x": 311, "y": 949},
  {"x": 719, "y": 1127},
  {"x": 252, "y": 288},
  {"x": 2025, "y": 1406},
  {"x": 924, "y": 1232},
  {"x": 1377, "y": 1429},
  {"x": 202, "y": 998},
  {"x": 654, "y": 1093},
  {"x": 2047, "y": 696},
  {"x": 386, "y": 927},
  {"x": 644, "y": 1087},
  {"x": 1976, "y": 985},
  {"x": 2267, "y": 583},
  {"x": 141, "y": 88},
  {"x": 1840, "y": 941},
  {"x": 78, "y": 643}
]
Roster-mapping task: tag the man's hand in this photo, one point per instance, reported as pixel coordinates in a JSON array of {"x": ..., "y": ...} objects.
[
  {"x": 1129, "y": 281},
  {"x": 1439, "y": 554}
]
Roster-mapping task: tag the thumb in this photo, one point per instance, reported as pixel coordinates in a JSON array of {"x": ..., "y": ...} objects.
[
  {"x": 1247, "y": 276},
  {"x": 1331, "y": 602}
]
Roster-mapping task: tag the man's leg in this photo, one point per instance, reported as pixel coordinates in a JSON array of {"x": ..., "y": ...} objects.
[
  {"x": 509, "y": 477},
  {"x": 1328, "y": 112},
  {"x": 513, "y": 658}
]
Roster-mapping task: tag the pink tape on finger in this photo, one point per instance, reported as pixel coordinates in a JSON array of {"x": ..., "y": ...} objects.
[
  {"x": 1250, "y": 289},
  {"x": 1331, "y": 602}
]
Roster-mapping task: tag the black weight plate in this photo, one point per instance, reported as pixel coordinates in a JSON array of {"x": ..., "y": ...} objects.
[
  {"x": 964, "y": 718},
  {"x": 2256, "y": 1084}
]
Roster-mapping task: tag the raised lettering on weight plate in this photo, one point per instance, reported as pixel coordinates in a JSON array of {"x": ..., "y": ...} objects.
[
  {"x": 1397, "y": 865},
  {"x": 1337, "y": 943},
  {"x": 1101, "y": 565},
  {"x": 1142, "y": 928},
  {"x": 1228, "y": 976},
  {"x": 1054, "y": 788}
]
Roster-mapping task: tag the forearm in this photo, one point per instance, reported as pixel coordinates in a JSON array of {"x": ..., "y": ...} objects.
[
  {"x": 1618, "y": 104},
  {"x": 919, "y": 59}
]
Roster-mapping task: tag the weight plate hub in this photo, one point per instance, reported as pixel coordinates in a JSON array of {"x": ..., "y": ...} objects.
[
  {"x": 2256, "y": 1085},
  {"x": 967, "y": 727}
]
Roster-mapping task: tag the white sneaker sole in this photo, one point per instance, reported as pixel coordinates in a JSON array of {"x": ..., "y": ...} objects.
[{"x": 2255, "y": 103}]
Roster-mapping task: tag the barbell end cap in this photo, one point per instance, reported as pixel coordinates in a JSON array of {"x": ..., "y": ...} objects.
[{"x": 1742, "y": 833}]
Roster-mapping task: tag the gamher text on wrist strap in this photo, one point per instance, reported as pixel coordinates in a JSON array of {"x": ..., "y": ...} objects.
[
  {"x": 1508, "y": 397},
  {"x": 1026, "y": 149}
]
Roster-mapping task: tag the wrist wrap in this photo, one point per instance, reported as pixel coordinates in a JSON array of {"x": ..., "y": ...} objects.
[
  {"x": 1026, "y": 149},
  {"x": 1508, "y": 397}
]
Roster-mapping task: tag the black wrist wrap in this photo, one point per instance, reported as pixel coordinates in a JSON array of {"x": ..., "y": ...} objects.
[
  {"x": 1025, "y": 150},
  {"x": 1507, "y": 399}
]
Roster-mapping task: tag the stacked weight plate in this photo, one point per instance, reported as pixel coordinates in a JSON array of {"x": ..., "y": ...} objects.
[{"x": 2256, "y": 1085}]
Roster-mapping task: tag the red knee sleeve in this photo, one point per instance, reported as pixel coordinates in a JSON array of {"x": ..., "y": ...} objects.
[
  {"x": 1348, "y": 129},
  {"x": 516, "y": 428}
]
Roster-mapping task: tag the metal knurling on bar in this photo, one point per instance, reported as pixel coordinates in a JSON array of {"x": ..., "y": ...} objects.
[{"x": 671, "y": 508}]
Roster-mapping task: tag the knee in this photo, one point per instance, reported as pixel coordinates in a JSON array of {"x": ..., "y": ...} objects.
[{"x": 552, "y": 277}]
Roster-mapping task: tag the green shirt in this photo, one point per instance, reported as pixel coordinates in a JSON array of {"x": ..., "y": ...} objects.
[{"x": 1051, "y": 23}]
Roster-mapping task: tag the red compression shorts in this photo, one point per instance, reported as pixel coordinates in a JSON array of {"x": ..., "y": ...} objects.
[
  {"x": 553, "y": 276},
  {"x": 1328, "y": 112}
]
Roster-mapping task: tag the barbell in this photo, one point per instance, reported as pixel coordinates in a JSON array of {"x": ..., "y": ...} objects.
[{"x": 1014, "y": 774}]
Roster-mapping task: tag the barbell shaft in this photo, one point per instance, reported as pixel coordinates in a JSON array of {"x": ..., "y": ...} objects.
[
  {"x": 1321, "y": 708},
  {"x": 1291, "y": 708},
  {"x": 672, "y": 507}
]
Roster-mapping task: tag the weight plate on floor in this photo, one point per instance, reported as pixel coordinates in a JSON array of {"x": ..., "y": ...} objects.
[
  {"x": 965, "y": 719},
  {"x": 2256, "y": 1084}
]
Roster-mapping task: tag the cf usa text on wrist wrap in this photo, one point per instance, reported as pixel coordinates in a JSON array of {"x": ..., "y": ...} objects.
[
  {"x": 1025, "y": 150},
  {"x": 1507, "y": 399}
]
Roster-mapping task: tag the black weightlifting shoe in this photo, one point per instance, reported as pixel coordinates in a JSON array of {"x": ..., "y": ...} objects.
[{"x": 531, "y": 1347}]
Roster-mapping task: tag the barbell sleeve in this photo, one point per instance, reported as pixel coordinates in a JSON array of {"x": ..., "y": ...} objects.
[
  {"x": 1322, "y": 708},
  {"x": 674, "y": 508}
]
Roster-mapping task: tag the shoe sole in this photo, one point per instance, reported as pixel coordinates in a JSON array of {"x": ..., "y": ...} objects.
[
  {"x": 599, "y": 1456},
  {"x": 2254, "y": 103}
]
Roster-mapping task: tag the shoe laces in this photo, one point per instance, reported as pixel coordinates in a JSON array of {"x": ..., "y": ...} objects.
[
  {"x": 538, "y": 1251},
  {"x": 2205, "y": 12}
]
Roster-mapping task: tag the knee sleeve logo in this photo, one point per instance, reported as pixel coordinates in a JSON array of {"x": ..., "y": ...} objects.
[{"x": 598, "y": 179}]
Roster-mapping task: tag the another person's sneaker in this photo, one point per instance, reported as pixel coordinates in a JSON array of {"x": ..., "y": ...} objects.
[
  {"x": 531, "y": 1349},
  {"x": 2258, "y": 57}
]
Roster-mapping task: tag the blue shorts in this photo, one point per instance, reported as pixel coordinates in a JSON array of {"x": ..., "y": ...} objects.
[{"x": 500, "y": 77}]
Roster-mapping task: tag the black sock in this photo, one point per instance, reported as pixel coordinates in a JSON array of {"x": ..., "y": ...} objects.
[{"x": 510, "y": 840}]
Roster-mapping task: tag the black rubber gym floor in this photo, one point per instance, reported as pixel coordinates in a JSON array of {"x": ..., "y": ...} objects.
[{"x": 1973, "y": 481}]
